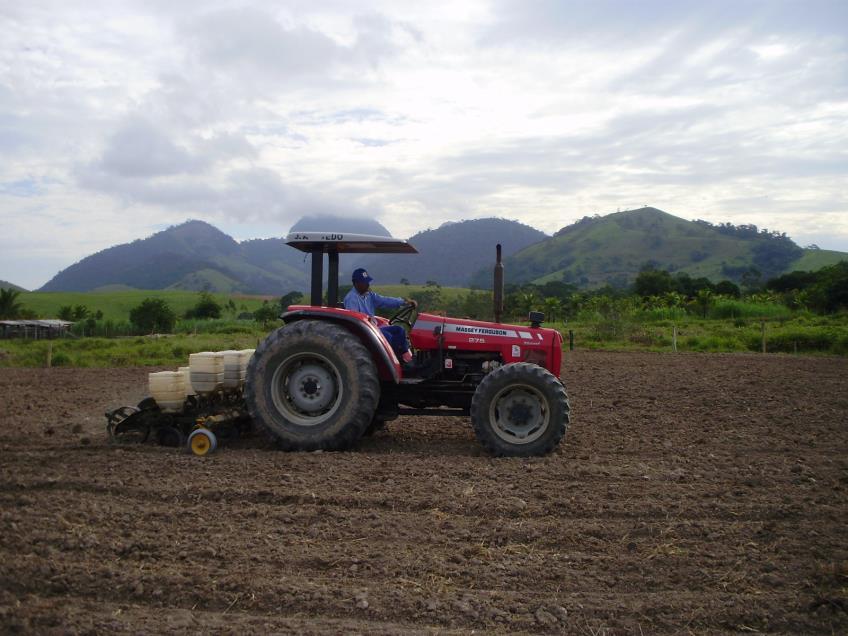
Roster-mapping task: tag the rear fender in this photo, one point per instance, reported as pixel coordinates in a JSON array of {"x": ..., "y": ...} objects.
[{"x": 358, "y": 324}]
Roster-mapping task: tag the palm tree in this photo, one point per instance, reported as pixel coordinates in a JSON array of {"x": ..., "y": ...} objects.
[
  {"x": 9, "y": 307},
  {"x": 703, "y": 301},
  {"x": 553, "y": 307},
  {"x": 527, "y": 301}
]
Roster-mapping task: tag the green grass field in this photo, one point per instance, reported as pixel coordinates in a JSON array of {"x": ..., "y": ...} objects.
[
  {"x": 411, "y": 291},
  {"x": 171, "y": 350},
  {"x": 731, "y": 325},
  {"x": 803, "y": 335},
  {"x": 116, "y": 304},
  {"x": 813, "y": 260}
]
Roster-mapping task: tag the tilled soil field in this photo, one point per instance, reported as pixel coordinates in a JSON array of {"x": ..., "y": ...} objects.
[{"x": 692, "y": 494}]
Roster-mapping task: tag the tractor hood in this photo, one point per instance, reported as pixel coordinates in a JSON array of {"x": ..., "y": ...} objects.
[{"x": 515, "y": 343}]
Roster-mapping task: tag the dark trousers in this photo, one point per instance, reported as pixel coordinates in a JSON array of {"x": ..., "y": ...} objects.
[{"x": 396, "y": 336}]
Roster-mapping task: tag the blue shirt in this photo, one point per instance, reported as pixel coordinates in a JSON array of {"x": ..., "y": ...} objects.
[{"x": 369, "y": 302}]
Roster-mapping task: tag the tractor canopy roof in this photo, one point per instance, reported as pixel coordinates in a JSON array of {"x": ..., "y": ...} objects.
[{"x": 348, "y": 243}]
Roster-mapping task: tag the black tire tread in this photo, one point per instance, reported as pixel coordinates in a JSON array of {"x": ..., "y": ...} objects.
[
  {"x": 350, "y": 347},
  {"x": 520, "y": 372}
]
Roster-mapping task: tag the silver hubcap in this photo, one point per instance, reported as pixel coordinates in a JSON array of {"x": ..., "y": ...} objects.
[
  {"x": 306, "y": 389},
  {"x": 519, "y": 414}
]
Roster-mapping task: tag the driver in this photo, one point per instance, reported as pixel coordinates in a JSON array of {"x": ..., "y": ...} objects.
[{"x": 363, "y": 300}]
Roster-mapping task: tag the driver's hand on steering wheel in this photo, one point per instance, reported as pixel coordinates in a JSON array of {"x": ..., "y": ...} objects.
[{"x": 410, "y": 301}]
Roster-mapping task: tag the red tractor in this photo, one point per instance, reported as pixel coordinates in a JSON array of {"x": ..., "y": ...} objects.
[{"x": 329, "y": 376}]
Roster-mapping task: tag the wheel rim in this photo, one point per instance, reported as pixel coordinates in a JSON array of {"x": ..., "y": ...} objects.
[
  {"x": 200, "y": 444},
  {"x": 306, "y": 389},
  {"x": 519, "y": 414}
]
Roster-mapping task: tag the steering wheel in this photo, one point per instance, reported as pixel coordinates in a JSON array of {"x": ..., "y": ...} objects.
[{"x": 406, "y": 315}]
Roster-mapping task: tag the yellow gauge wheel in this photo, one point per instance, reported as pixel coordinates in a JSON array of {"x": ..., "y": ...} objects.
[{"x": 202, "y": 442}]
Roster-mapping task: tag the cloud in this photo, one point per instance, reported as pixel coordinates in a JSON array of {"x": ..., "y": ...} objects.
[
  {"x": 250, "y": 195},
  {"x": 139, "y": 149},
  {"x": 249, "y": 40},
  {"x": 117, "y": 118},
  {"x": 22, "y": 188},
  {"x": 259, "y": 47},
  {"x": 617, "y": 23}
]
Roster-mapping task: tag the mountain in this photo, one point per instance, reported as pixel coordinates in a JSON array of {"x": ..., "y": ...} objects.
[
  {"x": 614, "y": 248},
  {"x": 197, "y": 256},
  {"x": 7, "y": 285},
  {"x": 452, "y": 253},
  {"x": 193, "y": 255}
]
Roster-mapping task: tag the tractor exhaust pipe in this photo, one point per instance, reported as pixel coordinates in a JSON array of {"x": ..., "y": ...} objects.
[{"x": 498, "y": 293}]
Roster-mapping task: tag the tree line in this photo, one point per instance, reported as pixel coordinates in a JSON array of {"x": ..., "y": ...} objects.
[{"x": 822, "y": 291}]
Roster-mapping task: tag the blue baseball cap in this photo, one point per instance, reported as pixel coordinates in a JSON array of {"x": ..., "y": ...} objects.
[{"x": 361, "y": 276}]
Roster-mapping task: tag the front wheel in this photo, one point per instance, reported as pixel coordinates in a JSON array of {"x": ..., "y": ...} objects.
[{"x": 520, "y": 410}]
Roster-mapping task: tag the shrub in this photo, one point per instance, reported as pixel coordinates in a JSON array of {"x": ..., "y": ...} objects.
[
  {"x": 61, "y": 360},
  {"x": 206, "y": 307},
  {"x": 266, "y": 313},
  {"x": 180, "y": 352},
  {"x": 728, "y": 288},
  {"x": 805, "y": 340},
  {"x": 10, "y": 308},
  {"x": 153, "y": 314},
  {"x": 729, "y": 308},
  {"x": 652, "y": 282}
]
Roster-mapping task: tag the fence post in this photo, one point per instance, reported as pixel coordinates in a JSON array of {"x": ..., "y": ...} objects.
[
  {"x": 674, "y": 338},
  {"x": 763, "y": 332},
  {"x": 49, "y": 354},
  {"x": 570, "y": 340}
]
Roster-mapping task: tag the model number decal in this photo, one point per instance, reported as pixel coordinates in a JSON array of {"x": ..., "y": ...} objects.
[{"x": 477, "y": 340}]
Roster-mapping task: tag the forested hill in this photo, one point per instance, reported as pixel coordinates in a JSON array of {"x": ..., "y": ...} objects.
[
  {"x": 156, "y": 262},
  {"x": 614, "y": 248},
  {"x": 453, "y": 252},
  {"x": 197, "y": 256},
  {"x": 611, "y": 249},
  {"x": 7, "y": 285}
]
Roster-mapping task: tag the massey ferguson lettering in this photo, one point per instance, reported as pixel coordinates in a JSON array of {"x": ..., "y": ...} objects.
[{"x": 481, "y": 330}]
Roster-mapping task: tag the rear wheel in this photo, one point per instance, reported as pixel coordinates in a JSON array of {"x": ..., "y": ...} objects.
[
  {"x": 202, "y": 442},
  {"x": 313, "y": 386},
  {"x": 520, "y": 410}
]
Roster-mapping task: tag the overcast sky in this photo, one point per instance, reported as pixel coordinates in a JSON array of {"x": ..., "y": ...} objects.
[{"x": 118, "y": 119}]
